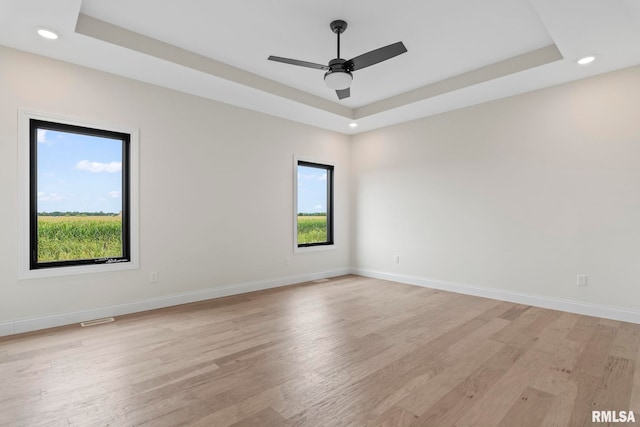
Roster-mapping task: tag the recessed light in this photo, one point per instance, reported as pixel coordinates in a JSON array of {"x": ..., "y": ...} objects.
[
  {"x": 586, "y": 60},
  {"x": 353, "y": 125},
  {"x": 47, "y": 34}
]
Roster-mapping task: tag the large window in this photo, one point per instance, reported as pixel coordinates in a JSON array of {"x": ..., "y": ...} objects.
[
  {"x": 79, "y": 196},
  {"x": 79, "y": 193},
  {"x": 314, "y": 200}
]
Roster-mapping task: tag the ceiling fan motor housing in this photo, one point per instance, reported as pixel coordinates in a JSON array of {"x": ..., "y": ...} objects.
[{"x": 339, "y": 76}]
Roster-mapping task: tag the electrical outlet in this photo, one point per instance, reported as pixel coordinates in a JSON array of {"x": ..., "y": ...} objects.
[
  {"x": 396, "y": 259},
  {"x": 287, "y": 260},
  {"x": 582, "y": 280},
  {"x": 153, "y": 277}
]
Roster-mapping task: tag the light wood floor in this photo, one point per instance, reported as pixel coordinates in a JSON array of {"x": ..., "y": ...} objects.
[{"x": 349, "y": 352}]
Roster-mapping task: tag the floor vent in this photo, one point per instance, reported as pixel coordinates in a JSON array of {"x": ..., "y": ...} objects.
[
  {"x": 320, "y": 280},
  {"x": 97, "y": 322}
]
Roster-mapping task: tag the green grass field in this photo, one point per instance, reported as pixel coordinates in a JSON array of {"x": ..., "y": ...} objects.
[
  {"x": 66, "y": 238},
  {"x": 312, "y": 229}
]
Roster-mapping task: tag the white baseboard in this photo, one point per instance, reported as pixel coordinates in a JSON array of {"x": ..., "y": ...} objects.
[
  {"x": 37, "y": 323},
  {"x": 606, "y": 312},
  {"x": 33, "y": 324}
]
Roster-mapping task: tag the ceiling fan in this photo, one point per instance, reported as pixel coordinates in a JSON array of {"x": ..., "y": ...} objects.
[{"x": 338, "y": 75}]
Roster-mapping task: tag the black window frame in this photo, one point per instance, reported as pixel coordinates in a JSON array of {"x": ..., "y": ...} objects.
[
  {"x": 330, "y": 219},
  {"x": 125, "y": 138}
]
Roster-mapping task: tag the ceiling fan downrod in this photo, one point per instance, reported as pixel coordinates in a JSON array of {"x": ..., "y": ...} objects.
[{"x": 338, "y": 26}]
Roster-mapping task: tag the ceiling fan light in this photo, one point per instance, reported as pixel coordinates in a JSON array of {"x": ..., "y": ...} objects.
[{"x": 338, "y": 80}]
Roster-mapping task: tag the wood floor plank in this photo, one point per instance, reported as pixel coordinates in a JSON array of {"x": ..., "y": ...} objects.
[
  {"x": 437, "y": 387},
  {"x": 560, "y": 412},
  {"x": 298, "y": 395},
  {"x": 421, "y": 364},
  {"x": 583, "y": 328},
  {"x": 352, "y": 351},
  {"x": 455, "y": 403},
  {"x": 515, "y": 312},
  {"x": 596, "y": 351},
  {"x": 265, "y": 418},
  {"x": 627, "y": 342},
  {"x": 393, "y": 417},
  {"x": 614, "y": 391},
  {"x": 590, "y": 369},
  {"x": 407, "y": 376},
  {"x": 634, "y": 401},
  {"x": 554, "y": 376},
  {"x": 533, "y": 360},
  {"x": 529, "y": 410},
  {"x": 504, "y": 358},
  {"x": 515, "y": 333}
]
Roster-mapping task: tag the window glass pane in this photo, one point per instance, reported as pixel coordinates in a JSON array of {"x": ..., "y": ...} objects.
[
  {"x": 314, "y": 199},
  {"x": 79, "y": 197}
]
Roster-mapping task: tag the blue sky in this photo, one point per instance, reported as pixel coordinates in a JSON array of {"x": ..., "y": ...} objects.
[
  {"x": 312, "y": 190},
  {"x": 78, "y": 173}
]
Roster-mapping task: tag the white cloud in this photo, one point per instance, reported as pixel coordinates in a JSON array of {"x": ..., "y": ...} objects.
[
  {"x": 114, "y": 194},
  {"x": 86, "y": 165},
  {"x": 317, "y": 207},
  {"x": 51, "y": 197},
  {"x": 42, "y": 137},
  {"x": 322, "y": 177}
]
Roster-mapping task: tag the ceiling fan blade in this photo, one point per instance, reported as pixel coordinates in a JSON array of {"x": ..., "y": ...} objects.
[
  {"x": 343, "y": 93},
  {"x": 298, "y": 62},
  {"x": 375, "y": 56}
]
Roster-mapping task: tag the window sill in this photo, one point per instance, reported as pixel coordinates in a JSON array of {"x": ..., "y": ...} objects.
[
  {"x": 71, "y": 271},
  {"x": 319, "y": 248}
]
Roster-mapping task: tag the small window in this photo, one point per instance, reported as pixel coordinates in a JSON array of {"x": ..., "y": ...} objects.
[
  {"x": 314, "y": 204},
  {"x": 79, "y": 195}
]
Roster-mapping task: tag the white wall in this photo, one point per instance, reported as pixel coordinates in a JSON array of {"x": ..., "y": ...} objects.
[
  {"x": 515, "y": 196},
  {"x": 518, "y": 195},
  {"x": 216, "y": 188}
]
